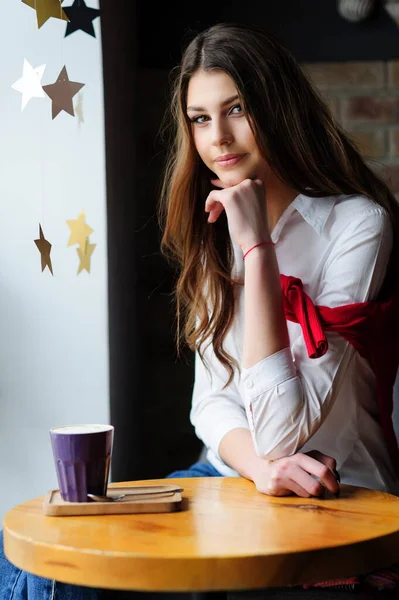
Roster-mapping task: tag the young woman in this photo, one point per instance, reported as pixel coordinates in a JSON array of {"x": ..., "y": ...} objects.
[
  {"x": 277, "y": 223},
  {"x": 260, "y": 171}
]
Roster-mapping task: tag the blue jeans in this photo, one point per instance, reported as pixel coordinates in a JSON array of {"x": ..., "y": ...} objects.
[
  {"x": 198, "y": 469},
  {"x": 20, "y": 585}
]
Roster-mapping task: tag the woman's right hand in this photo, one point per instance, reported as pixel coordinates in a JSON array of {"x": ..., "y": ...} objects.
[{"x": 293, "y": 475}]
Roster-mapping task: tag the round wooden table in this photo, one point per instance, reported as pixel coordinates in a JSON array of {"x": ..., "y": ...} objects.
[{"x": 227, "y": 536}]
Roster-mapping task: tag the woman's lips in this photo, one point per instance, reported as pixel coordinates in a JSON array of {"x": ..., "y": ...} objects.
[{"x": 230, "y": 162}]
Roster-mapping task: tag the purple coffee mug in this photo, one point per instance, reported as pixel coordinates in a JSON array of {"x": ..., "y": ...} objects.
[{"x": 82, "y": 456}]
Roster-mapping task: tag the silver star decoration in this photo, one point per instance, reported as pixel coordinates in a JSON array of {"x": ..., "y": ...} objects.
[{"x": 29, "y": 84}]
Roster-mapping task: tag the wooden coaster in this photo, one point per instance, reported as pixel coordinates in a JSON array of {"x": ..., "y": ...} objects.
[{"x": 167, "y": 499}]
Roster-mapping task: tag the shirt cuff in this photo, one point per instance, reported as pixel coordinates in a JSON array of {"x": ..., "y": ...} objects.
[{"x": 267, "y": 373}]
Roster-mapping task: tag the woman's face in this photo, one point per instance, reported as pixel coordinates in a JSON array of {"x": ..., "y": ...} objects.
[{"x": 220, "y": 127}]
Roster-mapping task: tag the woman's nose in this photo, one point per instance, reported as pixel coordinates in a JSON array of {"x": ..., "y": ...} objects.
[{"x": 221, "y": 134}]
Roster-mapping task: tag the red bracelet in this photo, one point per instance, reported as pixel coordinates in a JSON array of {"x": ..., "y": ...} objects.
[{"x": 256, "y": 245}]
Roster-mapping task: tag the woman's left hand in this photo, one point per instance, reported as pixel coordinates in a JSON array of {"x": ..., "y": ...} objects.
[{"x": 245, "y": 206}]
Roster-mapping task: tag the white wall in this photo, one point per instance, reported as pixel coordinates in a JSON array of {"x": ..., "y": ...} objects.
[{"x": 53, "y": 330}]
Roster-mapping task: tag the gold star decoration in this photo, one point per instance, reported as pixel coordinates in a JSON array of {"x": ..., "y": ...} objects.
[
  {"x": 46, "y": 9},
  {"x": 80, "y": 231},
  {"x": 61, "y": 93},
  {"x": 44, "y": 248},
  {"x": 85, "y": 256}
]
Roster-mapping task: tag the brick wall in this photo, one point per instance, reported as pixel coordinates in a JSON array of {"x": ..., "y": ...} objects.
[{"x": 364, "y": 98}]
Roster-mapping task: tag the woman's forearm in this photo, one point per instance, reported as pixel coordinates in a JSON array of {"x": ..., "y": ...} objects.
[
  {"x": 237, "y": 450},
  {"x": 283, "y": 477},
  {"x": 265, "y": 327}
]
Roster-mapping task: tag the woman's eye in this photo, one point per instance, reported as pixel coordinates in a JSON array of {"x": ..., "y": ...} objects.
[
  {"x": 197, "y": 119},
  {"x": 236, "y": 106}
]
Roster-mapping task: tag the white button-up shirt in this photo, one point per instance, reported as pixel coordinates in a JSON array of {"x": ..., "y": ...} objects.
[{"x": 339, "y": 247}]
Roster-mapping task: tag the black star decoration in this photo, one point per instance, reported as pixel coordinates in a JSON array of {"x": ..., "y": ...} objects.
[{"x": 80, "y": 17}]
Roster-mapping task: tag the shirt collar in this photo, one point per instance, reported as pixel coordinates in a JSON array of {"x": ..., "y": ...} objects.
[{"x": 314, "y": 211}]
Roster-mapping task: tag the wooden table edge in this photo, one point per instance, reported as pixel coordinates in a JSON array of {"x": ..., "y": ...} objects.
[{"x": 179, "y": 574}]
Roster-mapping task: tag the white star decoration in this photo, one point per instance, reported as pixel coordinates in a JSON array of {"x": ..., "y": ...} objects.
[{"x": 29, "y": 84}]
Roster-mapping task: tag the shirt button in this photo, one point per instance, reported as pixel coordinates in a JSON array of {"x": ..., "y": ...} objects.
[{"x": 250, "y": 384}]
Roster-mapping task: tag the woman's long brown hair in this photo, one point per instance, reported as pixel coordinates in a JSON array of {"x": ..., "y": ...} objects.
[{"x": 301, "y": 142}]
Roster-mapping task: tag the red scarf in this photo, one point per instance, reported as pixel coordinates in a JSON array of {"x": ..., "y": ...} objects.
[{"x": 371, "y": 327}]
